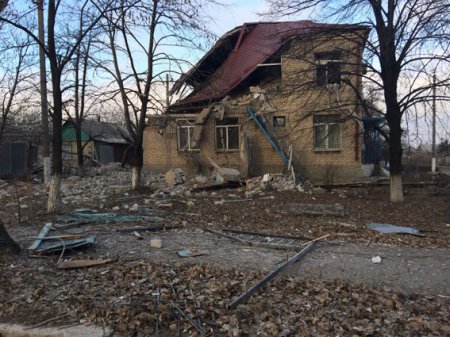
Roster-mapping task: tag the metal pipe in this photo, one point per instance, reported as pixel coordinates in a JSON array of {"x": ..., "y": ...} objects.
[{"x": 246, "y": 295}]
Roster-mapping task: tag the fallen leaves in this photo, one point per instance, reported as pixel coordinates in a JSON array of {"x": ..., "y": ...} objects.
[{"x": 139, "y": 297}]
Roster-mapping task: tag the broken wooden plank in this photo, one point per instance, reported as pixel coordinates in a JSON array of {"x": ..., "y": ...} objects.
[
  {"x": 247, "y": 294},
  {"x": 42, "y": 234},
  {"x": 82, "y": 263}
]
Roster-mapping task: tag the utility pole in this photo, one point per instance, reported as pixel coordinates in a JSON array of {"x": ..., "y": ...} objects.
[
  {"x": 433, "y": 146},
  {"x": 43, "y": 89}
]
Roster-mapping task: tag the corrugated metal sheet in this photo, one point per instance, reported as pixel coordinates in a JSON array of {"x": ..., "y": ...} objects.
[{"x": 258, "y": 41}]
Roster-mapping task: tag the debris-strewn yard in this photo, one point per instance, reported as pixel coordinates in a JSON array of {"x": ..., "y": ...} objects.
[{"x": 148, "y": 291}]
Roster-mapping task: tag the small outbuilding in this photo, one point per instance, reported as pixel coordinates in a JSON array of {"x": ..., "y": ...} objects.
[{"x": 102, "y": 141}]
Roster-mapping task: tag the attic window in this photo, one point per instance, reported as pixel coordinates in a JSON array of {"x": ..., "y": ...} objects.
[
  {"x": 227, "y": 134},
  {"x": 328, "y": 68}
]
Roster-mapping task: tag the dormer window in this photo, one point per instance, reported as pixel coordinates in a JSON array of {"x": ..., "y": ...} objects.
[{"x": 328, "y": 68}]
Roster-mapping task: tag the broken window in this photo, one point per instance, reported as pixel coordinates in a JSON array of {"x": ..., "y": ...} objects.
[
  {"x": 279, "y": 121},
  {"x": 327, "y": 132},
  {"x": 227, "y": 134},
  {"x": 185, "y": 141},
  {"x": 328, "y": 68}
]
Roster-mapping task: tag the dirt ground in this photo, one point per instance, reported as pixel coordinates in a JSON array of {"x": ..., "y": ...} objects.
[{"x": 335, "y": 290}]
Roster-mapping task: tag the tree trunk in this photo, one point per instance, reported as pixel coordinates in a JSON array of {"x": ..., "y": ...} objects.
[
  {"x": 7, "y": 244},
  {"x": 395, "y": 161},
  {"x": 136, "y": 167},
  {"x": 55, "y": 181},
  {"x": 43, "y": 91},
  {"x": 53, "y": 201},
  {"x": 393, "y": 117},
  {"x": 135, "y": 177}
]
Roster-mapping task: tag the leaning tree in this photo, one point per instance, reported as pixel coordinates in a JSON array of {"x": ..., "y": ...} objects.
[{"x": 408, "y": 42}]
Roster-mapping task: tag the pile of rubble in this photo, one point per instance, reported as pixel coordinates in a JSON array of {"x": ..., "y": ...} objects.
[
  {"x": 271, "y": 182},
  {"x": 6, "y": 190},
  {"x": 113, "y": 178}
]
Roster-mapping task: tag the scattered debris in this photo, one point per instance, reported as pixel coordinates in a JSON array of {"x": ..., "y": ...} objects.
[
  {"x": 134, "y": 208},
  {"x": 175, "y": 177},
  {"x": 137, "y": 235},
  {"x": 249, "y": 292},
  {"x": 146, "y": 228},
  {"x": 217, "y": 186},
  {"x": 163, "y": 204},
  {"x": 82, "y": 216},
  {"x": 156, "y": 243},
  {"x": 190, "y": 253},
  {"x": 392, "y": 229},
  {"x": 64, "y": 245},
  {"x": 59, "y": 243},
  {"x": 262, "y": 240},
  {"x": 224, "y": 174},
  {"x": 42, "y": 234},
  {"x": 73, "y": 264},
  {"x": 376, "y": 259},
  {"x": 342, "y": 224},
  {"x": 315, "y": 209},
  {"x": 277, "y": 182}
]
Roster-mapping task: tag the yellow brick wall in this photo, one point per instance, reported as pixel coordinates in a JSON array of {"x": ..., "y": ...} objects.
[
  {"x": 87, "y": 151},
  {"x": 160, "y": 150}
]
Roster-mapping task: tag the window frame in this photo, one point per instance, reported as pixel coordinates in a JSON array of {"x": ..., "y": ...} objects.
[
  {"x": 326, "y": 140},
  {"x": 325, "y": 61},
  {"x": 188, "y": 125},
  {"x": 227, "y": 128},
  {"x": 276, "y": 125}
]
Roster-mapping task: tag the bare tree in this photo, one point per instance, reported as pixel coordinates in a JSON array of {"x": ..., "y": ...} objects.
[
  {"x": 144, "y": 39},
  {"x": 59, "y": 50},
  {"x": 80, "y": 86},
  {"x": 408, "y": 41},
  {"x": 15, "y": 73}
]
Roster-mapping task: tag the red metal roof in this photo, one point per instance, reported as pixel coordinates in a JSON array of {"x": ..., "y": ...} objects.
[{"x": 255, "y": 44}]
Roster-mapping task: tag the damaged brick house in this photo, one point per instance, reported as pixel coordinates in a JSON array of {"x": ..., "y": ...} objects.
[{"x": 267, "y": 98}]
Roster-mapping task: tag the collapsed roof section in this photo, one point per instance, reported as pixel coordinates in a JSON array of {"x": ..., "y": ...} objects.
[{"x": 237, "y": 55}]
